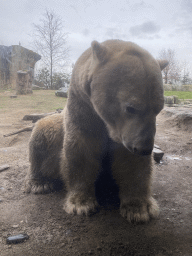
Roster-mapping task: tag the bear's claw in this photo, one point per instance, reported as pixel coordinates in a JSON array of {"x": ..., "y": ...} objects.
[
  {"x": 74, "y": 205},
  {"x": 136, "y": 212},
  {"x": 36, "y": 188}
]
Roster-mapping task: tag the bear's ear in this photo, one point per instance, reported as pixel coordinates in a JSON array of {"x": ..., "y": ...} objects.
[
  {"x": 99, "y": 52},
  {"x": 163, "y": 64},
  {"x": 98, "y": 58}
]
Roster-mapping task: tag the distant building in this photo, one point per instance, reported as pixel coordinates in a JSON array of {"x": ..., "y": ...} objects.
[{"x": 13, "y": 59}]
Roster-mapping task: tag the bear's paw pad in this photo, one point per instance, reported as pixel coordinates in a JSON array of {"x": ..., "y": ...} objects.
[
  {"x": 137, "y": 211},
  {"x": 84, "y": 207}
]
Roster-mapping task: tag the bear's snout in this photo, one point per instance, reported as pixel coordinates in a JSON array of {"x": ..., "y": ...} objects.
[
  {"x": 143, "y": 152},
  {"x": 143, "y": 149}
]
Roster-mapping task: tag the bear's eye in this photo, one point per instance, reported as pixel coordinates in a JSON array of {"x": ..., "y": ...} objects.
[{"x": 130, "y": 110}]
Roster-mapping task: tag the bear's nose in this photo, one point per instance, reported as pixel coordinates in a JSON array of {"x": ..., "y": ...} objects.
[{"x": 143, "y": 151}]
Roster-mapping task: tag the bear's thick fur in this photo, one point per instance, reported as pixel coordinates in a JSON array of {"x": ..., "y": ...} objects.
[
  {"x": 115, "y": 94},
  {"x": 44, "y": 155}
]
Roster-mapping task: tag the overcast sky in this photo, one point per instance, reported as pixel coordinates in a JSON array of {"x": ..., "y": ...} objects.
[{"x": 151, "y": 24}]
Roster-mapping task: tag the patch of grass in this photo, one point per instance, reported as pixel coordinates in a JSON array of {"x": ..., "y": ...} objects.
[
  {"x": 180, "y": 94},
  {"x": 40, "y": 101}
]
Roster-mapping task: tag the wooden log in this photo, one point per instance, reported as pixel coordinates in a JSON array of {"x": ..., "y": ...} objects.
[
  {"x": 36, "y": 117},
  {"x": 4, "y": 167},
  {"x": 26, "y": 129}
]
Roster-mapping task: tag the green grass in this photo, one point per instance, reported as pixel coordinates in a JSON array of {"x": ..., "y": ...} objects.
[
  {"x": 41, "y": 101},
  {"x": 180, "y": 94}
]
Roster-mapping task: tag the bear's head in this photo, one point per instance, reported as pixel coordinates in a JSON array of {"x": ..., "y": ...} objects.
[{"x": 126, "y": 91}]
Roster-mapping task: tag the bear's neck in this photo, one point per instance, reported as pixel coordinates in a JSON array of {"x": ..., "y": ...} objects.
[{"x": 83, "y": 115}]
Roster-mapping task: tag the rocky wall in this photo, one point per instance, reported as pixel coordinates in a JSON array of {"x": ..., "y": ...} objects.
[{"x": 14, "y": 59}]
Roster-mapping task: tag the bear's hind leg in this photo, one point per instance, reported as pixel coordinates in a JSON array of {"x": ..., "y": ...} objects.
[
  {"x": 43, "y": 176},
  {"x": 44, "y": 154}
]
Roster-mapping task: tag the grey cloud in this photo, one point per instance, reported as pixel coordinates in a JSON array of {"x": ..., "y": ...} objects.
[
  {"x": 86, "y": 32},
  {"x": 187, "y": 5},
  {"x": 141, "y": 5},
  {"x": 184, "y": 28},
  {"x": 74, "y": 8},
  {"x": 114, "y": 33},
  {"x": 154, "y": 37},
  {"x": 30, "y": 7},
  {"x": 144, "y": 29},
  {"x": 183, "y": 20},
  {"x": 111, "y": 32},
  {"x": 137, "y": 7}
]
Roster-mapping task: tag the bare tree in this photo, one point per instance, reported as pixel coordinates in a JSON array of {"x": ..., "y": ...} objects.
[
  {"x": 50, "y": 42},
  {"x": 185, "y": 73},
  {"x": 172, "y": 71}
]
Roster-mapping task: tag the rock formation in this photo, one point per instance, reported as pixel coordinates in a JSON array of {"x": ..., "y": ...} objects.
[{"x": 13, "y": 59}]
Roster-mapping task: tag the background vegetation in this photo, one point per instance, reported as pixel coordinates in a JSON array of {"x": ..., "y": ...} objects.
[{"x": 180, "y": 94}]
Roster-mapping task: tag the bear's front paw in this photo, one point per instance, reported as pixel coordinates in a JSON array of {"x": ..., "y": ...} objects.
[
  {"x": 138, "y": 211},
  {"x": 36, "y": 187},
  {"x": 80, "y": 204}
]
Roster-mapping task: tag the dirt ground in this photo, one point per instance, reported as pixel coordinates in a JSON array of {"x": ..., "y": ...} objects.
[{"x": 52, "y": 232}]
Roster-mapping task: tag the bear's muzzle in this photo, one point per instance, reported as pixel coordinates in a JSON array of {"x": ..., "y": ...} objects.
[{"x": 144, "y": 149}]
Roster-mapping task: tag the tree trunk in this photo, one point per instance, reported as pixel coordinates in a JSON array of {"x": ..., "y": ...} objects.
[
  {"x": 51, "y": 72},
  {"x": 166, "y": 78}
]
